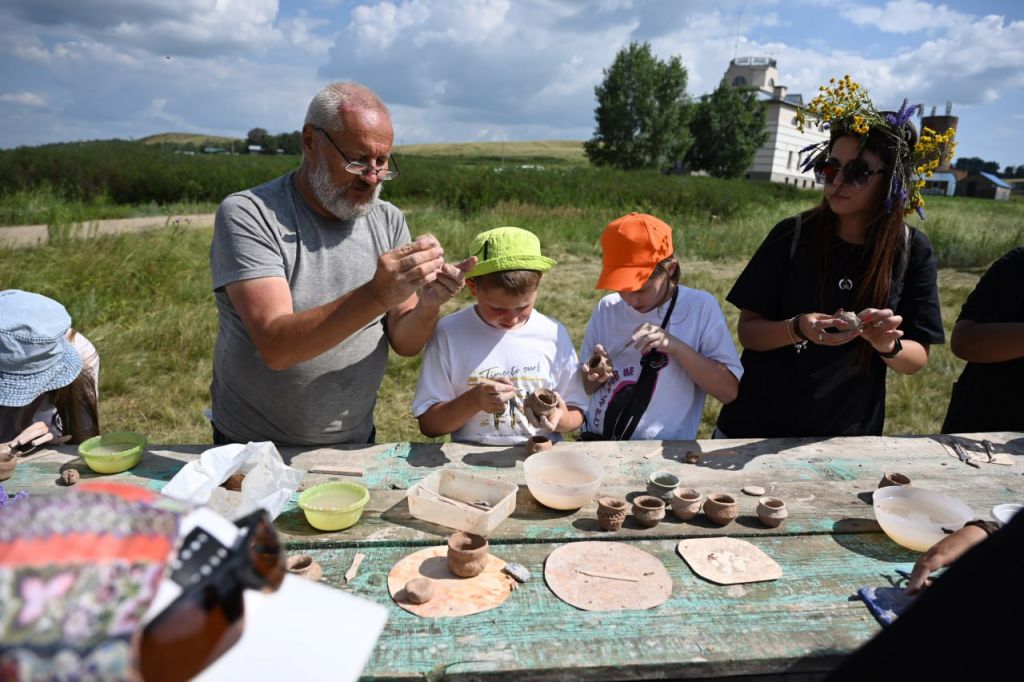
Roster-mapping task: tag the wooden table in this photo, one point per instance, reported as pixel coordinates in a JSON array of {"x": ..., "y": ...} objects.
[{"x": 800, "y": 625}]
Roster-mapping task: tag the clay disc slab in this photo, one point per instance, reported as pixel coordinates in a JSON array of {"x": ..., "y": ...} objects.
[
  {"x": 453, "y": 596},
  {"x": 640, "y": 580},
  {"x": 728, "y": 561}
]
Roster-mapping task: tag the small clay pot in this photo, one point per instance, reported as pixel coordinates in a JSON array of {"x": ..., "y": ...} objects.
[
  {"x": 305, "y": 566},
  {"x": 467, "y": 554},
  {"x": 538, "y": 444},
  {"x": 771, "y": 511},
  {"x": 611, "y": 512},
  {"x": 419, "y": 590},
  {"x": 648, "y": 510},
  {"x": 543, "y": 402},
  {"x": 720, "y": 509},
  {"x": 662, "y": 484},
  {"x": 7, "y": 465},
  {"x": 686, "y": 503},
  {"x": 892, "y": 478},
  {"x": 600, "y": 364}
]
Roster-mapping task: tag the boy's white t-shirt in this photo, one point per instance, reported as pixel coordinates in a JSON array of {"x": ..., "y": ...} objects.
[
  {"x": 677, "y": 403},
  {"x": 464, "y": 348}
]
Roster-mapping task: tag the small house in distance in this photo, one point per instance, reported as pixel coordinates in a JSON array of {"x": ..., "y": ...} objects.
[{"x": 983, "y": 186}]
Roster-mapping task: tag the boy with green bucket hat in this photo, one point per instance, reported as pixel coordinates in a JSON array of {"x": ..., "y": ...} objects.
[{"x": 484, "y": 360}]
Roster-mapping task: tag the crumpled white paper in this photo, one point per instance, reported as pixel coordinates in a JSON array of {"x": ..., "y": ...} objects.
[{"x": 269, "y": 482}]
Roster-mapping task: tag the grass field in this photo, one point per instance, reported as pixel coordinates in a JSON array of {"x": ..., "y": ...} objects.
[{"x": 145, "y": 300}]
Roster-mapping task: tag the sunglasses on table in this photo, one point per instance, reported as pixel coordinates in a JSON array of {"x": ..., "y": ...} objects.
[
  {"x": 856, "y": 172},
  {"x": 206, "y": 618}
]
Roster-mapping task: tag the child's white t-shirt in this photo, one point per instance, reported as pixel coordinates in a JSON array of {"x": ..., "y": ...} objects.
[
  {"x": 677, "y": 403},
  {"x": 464, "y": 348}
]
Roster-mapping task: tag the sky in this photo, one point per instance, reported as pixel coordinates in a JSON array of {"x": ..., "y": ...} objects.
[{"x": 479, "y": 70}]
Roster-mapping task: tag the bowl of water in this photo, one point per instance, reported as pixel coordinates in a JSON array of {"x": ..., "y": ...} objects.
[
  {"x": 563, "y": 480},
  {"x": 112, "y": 453},
  {"x": 917, "y": 518},
  {"x": 334, "y": 506}
]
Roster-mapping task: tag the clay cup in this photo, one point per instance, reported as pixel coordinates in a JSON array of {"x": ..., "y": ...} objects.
[
  {"x": 648, "y": 510},
  {"x": 467, "y": 554},
  {"x": 720, "y": 509},
  {"x": 686, "y": 503},
  {"x": 771, "y": 511},
  {"x": 611, "y": 512}
]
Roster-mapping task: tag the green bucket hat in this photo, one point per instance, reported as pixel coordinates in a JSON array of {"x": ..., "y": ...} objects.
[{"x": 507, "y": 248}]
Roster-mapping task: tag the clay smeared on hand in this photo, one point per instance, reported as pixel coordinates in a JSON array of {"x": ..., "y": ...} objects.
[{"x": 850, "y": 320}]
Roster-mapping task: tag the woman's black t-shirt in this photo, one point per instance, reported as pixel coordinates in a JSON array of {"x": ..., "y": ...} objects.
[
  {"x": 988, "y": 396},
  {"x": 823, "y": 390}
]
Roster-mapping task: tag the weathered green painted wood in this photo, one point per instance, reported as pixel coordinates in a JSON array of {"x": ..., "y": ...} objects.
[
  {"x": 825, "y": 483},
  {"x": 703, "y": 630}
]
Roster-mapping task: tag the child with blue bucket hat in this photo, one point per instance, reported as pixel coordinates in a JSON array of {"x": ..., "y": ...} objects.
[{"x": 48, "y": 374}]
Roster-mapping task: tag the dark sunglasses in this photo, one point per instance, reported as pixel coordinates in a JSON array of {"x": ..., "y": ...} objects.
[
  {"x": 206, "y": 619},
  {"x": 856, "y": 172}
]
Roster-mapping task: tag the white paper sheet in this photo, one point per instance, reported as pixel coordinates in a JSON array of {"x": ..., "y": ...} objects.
[{"x": 305, "y": 631}]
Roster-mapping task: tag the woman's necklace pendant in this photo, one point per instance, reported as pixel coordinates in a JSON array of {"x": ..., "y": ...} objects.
[{"x": 845, "y": 284}]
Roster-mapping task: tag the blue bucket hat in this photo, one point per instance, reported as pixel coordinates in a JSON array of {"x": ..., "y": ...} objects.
[{"x": 35, "y": 355}]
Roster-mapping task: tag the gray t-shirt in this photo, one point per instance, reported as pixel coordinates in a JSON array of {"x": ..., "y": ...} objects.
[{"x": 269, "y": 231}]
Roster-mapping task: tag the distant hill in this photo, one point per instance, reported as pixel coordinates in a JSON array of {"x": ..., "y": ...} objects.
[
  {"x": 566, "y": 150},
  {"x": 186, "y": 138}
]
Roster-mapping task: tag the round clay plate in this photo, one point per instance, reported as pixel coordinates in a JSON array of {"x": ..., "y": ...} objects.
[
  {"x": 453, "y": 596},
  {"x": 607, "y": 576}
]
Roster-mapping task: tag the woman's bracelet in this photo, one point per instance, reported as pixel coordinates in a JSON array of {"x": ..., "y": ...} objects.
[{"x": 793, "y": 327}]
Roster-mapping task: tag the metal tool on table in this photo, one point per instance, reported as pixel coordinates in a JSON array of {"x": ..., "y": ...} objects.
[
  {"x": 988, "y": 448},
  {"x": 959, "y": 450}
]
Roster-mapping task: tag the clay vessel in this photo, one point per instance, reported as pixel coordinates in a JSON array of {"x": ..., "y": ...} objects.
[
  {"x": 771, "y": 511},
  {"x": 686, "y": 503},
  {"x": 467, "y": 554},
  {"x": 662, "y": 484},
  {"x": 720, "y": 509},
  {"x": 648, "y": 510},
  {"x": 538, "y": 443},
  {"x": 611, "y": 512},
  {"x": 7, "y": 465},
  {"x": 419, "y": 590},
  {"x": 543, "y": 402},
  {"x": 304, "y": 565},
  {"x": 892, "y": 478},
  {"x": 600, "y": 364}
]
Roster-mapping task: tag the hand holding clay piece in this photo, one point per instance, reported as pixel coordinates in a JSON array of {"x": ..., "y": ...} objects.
[
  {"x": 543, "y": 402},
  {"x": 599, "y": 366},
  {"x": 419, "y": 590}
]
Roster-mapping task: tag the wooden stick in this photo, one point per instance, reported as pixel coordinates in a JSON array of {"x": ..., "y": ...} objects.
[
  {"x": 350, "y": 574},
  {"x": 338, "y": 471}
]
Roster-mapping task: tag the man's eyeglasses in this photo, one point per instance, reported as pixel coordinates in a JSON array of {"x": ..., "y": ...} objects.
[
  {"x": 360, "y": 168},
  {"x": 856, "y": 172},
  {"x": 206, "y": 619}
]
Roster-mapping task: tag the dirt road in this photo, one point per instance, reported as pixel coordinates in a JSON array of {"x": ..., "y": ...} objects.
[{"x": 30, "y": 236}]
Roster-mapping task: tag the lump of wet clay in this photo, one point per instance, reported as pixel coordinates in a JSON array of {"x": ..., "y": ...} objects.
[
  {"x": 517, "y": 571},
  {"x": 691, "y": 458},
  {"x": 754, "y": 490},
  {"x": 70, "y": 477},
  {"x": 851, "y": 320},
  {"x": 419, "y": 590},
  {"x": 233, "y": 482}
]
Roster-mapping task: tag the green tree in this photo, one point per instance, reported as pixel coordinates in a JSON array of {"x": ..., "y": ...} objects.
[
  {"x": 727, "y": 128},
  {"x": 257, "y": 136},
  {"x": 642, "y": 112}
]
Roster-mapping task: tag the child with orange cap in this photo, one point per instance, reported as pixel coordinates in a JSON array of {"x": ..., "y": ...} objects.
[{"x": 656, "y": 348}]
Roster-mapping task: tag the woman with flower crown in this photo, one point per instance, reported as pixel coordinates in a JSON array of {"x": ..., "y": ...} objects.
[{"x": 835, "y": 296}]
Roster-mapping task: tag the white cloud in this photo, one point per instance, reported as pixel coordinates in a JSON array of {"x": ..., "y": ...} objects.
[
  {"x": 28, "y": 99},
  {"x": 904, "y": 16}
]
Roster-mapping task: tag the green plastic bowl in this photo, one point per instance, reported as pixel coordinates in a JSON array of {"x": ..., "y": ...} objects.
[
  {"x": 334, "y": 506},
  {"x": 112, "y": 453}
]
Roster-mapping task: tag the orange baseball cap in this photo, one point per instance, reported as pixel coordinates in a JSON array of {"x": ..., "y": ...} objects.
[{"x": 632, "y": 246}]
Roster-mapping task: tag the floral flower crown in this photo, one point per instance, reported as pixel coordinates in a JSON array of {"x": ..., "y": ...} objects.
[{"x": 845, "y": 106}]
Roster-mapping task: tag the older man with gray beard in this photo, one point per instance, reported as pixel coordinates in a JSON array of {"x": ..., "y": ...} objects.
[{"x": 314, "y": 276}]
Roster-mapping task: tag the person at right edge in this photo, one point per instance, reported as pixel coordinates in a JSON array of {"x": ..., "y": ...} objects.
[
  {"x": 810, "y": 368},
  {"x": 989, "y": 335}
]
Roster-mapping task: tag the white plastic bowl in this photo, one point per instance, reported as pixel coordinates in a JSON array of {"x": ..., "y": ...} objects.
[
  {"x": 1003, "y": 513},
  {"x": 561, "y": 479},
  {"x": 914, "y": 517}
]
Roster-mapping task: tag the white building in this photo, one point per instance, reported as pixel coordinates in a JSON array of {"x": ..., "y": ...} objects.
[{"x": 778, "y": 160}]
